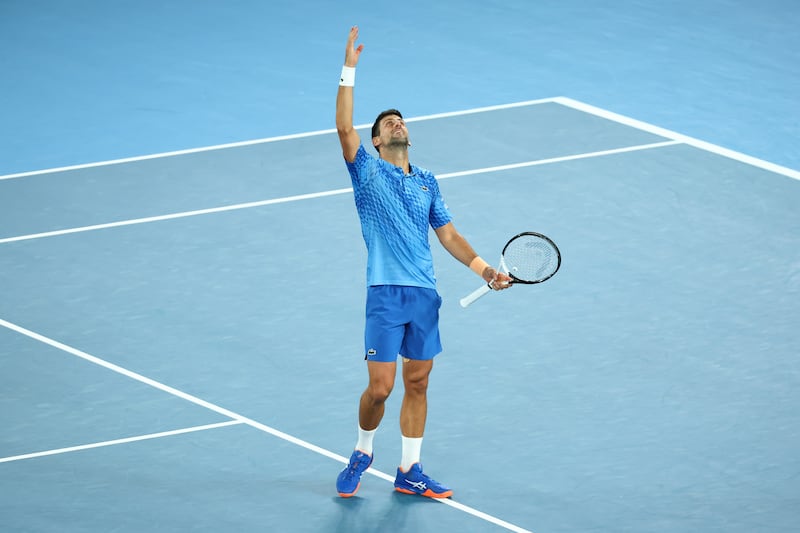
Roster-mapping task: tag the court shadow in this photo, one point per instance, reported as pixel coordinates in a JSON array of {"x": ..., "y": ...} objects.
[
  {"x": 362, "y": 515},
  {"x": 351, "y": 517}
]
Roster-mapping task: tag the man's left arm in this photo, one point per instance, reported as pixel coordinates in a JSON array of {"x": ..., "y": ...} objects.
[{"x": 458, "y": 247}]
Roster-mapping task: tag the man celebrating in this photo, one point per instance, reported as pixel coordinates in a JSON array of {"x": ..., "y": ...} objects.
[{"x": 396, "y": 203}]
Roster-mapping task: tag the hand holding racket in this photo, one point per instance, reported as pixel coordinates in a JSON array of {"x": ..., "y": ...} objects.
[{"x": 527, "y": 258}]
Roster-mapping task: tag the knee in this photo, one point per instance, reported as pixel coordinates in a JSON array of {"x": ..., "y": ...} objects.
[
  {"x": 416, "y": 384},
  {"x": 379, "y": 391}
]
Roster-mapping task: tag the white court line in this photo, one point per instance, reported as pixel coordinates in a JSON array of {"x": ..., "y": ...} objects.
[
  {"x": 265, "y": 140},
  {"x": 119, "y": 441},
  {"x": 562, "y": 100},
  {"x": 560, "y": 159},
  {"x": 333, "y": 192},
  {"x": 685, "y": 139},
  {"x": 236, "y": 418},
  {"x": 171, "y": 216}
]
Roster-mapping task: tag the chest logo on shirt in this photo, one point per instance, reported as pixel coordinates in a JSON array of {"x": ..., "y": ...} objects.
[{"x": 424, "y": 188}]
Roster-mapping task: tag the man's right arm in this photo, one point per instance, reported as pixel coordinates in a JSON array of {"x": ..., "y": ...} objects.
[{"x": 348, "y": 136}]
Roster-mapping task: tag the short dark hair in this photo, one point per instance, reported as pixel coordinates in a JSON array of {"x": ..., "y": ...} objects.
[{"x": 376, "y": 126}]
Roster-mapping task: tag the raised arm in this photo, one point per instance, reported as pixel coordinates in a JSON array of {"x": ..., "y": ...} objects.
[{"x": 348, "y": 136}]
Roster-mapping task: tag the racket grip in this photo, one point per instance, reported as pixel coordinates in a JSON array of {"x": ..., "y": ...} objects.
[{"x": 474, "y": 295}]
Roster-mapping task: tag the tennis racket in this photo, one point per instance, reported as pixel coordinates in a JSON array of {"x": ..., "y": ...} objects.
[{"x": 527, "y": 258}]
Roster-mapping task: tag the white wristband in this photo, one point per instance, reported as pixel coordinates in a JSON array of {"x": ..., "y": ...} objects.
[
  {"x": 348, "y": 78},
  {"x": 478, "y": 265}
]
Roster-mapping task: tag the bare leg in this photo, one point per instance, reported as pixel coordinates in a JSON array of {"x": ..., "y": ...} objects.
[
  {"x": 373, "y": 400},
  {"x": 414, "y": 410}
]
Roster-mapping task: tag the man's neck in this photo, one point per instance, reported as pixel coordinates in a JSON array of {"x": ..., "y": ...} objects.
[{"x": 398, "y": 157}]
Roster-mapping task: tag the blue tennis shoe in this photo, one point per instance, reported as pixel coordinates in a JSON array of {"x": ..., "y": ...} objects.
[
  {"x": 350, "y": 478},
  {"x": 415, "y": 482}
]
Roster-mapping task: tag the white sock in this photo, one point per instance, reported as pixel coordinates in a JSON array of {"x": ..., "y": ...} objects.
[
  {"x": 365, "y": 440},
  {"x": 412, "y": 446}
]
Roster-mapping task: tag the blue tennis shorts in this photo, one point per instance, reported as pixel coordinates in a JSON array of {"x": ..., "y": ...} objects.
[{"x": 402, "y": 321}]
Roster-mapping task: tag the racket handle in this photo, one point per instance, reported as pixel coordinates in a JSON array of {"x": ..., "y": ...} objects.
[{"x": 477, "y": 293}]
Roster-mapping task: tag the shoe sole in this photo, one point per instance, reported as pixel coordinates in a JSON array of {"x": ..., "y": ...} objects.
[
  {"x": 428, "y": 493},
  {"x": 348, "y": 495}
]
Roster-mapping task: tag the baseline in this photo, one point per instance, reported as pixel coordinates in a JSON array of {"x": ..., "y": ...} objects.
[{"x": 266, "y": 140}]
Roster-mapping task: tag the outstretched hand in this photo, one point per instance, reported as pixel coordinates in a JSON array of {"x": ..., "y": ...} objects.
[{"x": 352, "y": 52}]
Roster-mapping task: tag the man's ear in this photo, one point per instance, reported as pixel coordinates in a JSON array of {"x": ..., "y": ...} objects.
[{"x": 376, "y": 141}]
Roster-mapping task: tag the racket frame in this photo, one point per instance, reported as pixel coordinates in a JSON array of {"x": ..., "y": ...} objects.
[{"x": 524, "y": 281}]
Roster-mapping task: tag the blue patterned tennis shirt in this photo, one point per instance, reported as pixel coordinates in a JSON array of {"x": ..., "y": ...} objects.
[{"x": 396, "y": 210}]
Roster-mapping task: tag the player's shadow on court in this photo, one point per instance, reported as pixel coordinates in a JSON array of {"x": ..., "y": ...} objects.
[{"x": 369, "y": 515}]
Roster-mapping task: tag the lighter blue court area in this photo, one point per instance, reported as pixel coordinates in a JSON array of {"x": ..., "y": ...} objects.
[{"x": 181, "y": 334}]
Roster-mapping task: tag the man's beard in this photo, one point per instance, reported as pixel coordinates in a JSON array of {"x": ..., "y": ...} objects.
[{"x": 398, "y": 142}]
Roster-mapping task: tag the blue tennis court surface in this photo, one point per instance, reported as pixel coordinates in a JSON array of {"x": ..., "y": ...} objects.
[{"x": 181, "y": 338}]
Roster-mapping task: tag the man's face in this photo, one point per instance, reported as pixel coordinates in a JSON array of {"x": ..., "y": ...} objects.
[{"x": 393, "y": 133}]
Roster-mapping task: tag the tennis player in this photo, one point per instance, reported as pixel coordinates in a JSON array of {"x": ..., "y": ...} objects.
[{"x": 396, "y": 202}]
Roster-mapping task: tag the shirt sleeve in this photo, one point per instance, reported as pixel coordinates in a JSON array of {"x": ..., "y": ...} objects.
[
  {"x": 360, "y": 168},
  {"x": 439, "y": 213}
]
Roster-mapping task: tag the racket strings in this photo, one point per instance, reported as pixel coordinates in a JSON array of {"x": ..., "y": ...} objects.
[{"x": 530, "y": 258}]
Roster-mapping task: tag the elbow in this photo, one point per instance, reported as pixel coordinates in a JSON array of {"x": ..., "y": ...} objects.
[{"x": 344, "y": 127}]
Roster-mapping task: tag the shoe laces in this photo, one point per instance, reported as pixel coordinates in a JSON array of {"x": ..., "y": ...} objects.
[
  {"x": 429, "y": 480},
  {"x": 355, "y": 466}
]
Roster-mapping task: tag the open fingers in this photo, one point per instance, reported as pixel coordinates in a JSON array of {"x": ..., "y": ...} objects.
[{"x": 352, "y": 52}]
